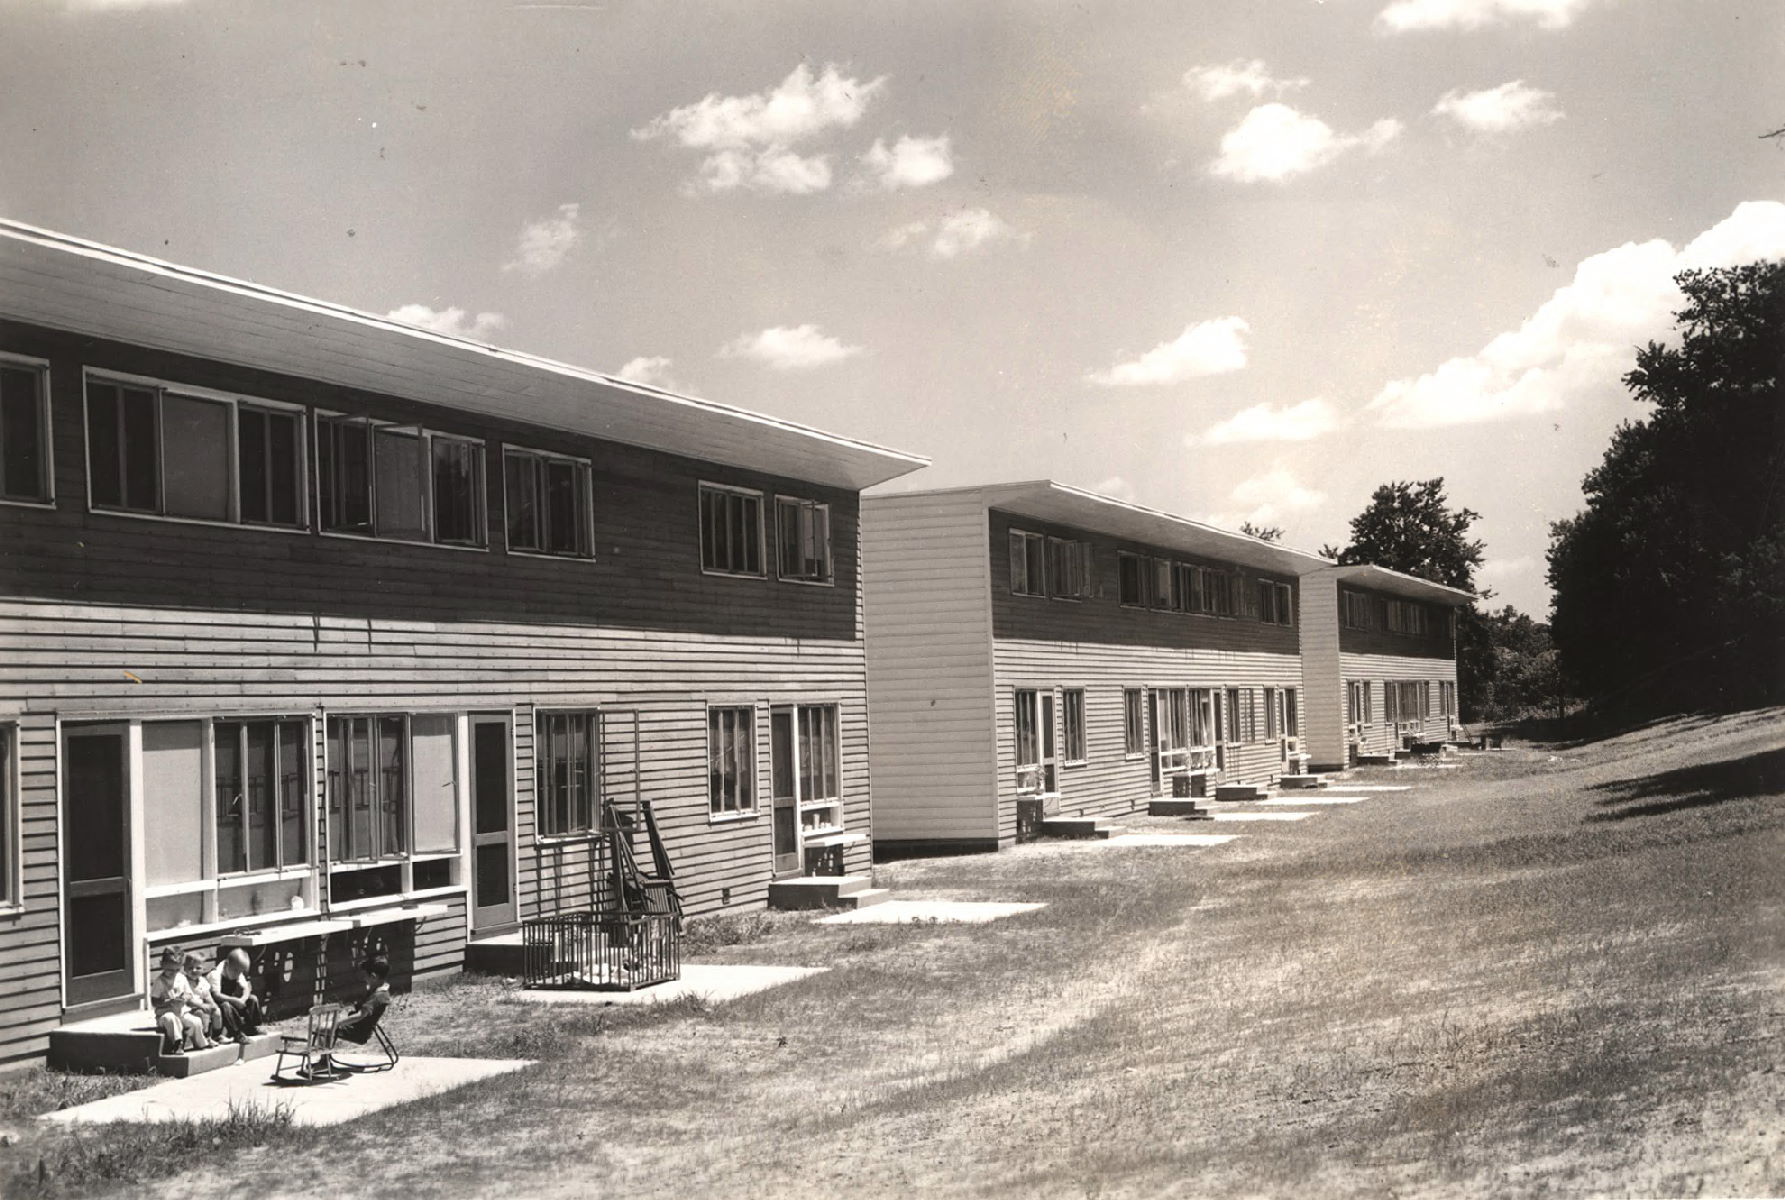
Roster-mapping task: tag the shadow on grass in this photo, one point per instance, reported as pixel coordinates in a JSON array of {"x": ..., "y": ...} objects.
[{"x": 1696, "y": 786}]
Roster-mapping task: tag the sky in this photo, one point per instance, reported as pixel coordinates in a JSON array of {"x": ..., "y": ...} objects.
[{"x": 1234, "y": 259}]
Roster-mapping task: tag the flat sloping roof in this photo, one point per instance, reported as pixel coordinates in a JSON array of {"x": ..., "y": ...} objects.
[
  {"x": 1063, "y": 504},
  {"x": 1397, "y": 583},
  {"x": 68, "y": 283}
]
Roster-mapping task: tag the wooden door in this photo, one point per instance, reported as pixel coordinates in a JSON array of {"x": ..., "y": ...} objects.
[
  {"x": 1050, "y": 746},
  {"x": 492, "y": 826},
  {"x": 96, "y": 892},
  {"x": 784, "y": 776}
]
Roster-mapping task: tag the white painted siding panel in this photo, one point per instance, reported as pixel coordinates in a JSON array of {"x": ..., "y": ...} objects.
[{"x": 1322, "y": 680}]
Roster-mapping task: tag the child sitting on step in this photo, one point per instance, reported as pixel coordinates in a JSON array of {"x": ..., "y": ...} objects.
[{"x": 171, "y": 997}]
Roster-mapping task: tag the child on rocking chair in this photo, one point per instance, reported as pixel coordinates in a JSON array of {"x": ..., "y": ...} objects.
[{"x": 363, "y": 1018}]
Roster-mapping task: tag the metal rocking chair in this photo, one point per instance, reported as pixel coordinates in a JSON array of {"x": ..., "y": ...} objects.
[
  {"x": 314, "y": 1048},
  {"x": 385, "y": 1047}
]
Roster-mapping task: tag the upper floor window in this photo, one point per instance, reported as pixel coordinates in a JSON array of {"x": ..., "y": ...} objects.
[
  {"x": 803, "y": 538},
  {"x": 24, "y": 430},
  {"x": 1134, "y": 576},
  {"x": 1275, "y": 603},
  {"x": 1069, "y": 563},
  {"x": 548, "y": 503},
  {"x": 1028, "y": 563},
  {"x": 1354, "y": 610},
  {"x": 1406, "y": 616},
  {"x": 399, "y": 481},
  {"x": 178, "y": 453},
  {"x": 730, "y": 530}
]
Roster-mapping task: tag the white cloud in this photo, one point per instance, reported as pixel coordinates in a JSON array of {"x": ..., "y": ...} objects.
[
  {"x": 652, "y": 371},
  {"x": 1404, "y": 16},
  {"x": 544, "y": 243},
  {"x": 1206, "y": 348},
  {"x": 1495, "y": 570},
  {"x": 910, "y": 163},
  {"x": 1264, "y": 423},
  {"x": 119, "y": 5},
  {"x": 455, "y": 322},
  {"x": 748, "y": 140},
  {"x": 958, "y": 233},
  {"x": 1116, "y": 487},
  {"x": 785, "y": 348},
  {"x": 1578, "y": 342},
  {"x": 1274, "y": 142},
  {"x": 1504, "y": 109},
  {"x": 1217, "y": 81},
  {"x": 1272, "y": 497}
]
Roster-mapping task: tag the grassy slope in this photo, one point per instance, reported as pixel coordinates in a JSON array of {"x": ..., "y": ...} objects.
[{"x": 1554, "y": 970}]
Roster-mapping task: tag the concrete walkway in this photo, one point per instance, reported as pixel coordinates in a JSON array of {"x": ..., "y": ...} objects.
[
  {"x": 712, "y": 982},
  {"x": 1298, "y": 800},
  {"x": 1182, "y": 841},
  {"x": 1262, "y": 816},
  {"x": 212, "y": 1095},
  {"x": 921, "y": 912}
]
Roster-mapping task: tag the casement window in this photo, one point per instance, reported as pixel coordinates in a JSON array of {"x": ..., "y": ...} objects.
[
  {"x": 1242, "y": 716},
  {"x": 1072, "y": 723},
  {"x": 1172, "y": 730},
  {"x": 1134, "y": 722},
  {"x": 1275, "y": 603},
  {"x": 1447, "y": 698},
  {"x": 1291, "y": 718},
  {"x": 548, "y": 501},
  {"x": 1408, "y": 617},
  {"x": 1135, "y": 579},
  {"x": 1358, "y": 704},
  {"x": 1354, "y": 609},
  {"x": 171, "y": 452},
  {"x": 730, "y": 530},
  {"x": 1202, "y": 720},
  {"x": 568, "y": 771},
  {"x": 1219, "y": 589},
  {"x": 1069, "y": 564},
  {"x": 803, "y": 538},
  {"x": 819, "y": 768},
  {"x": 1165, "y": 586},
  {"x": 399, "y": 481},
  {"x": 24, "y": 434},
  {"x": 1273, "y": 714},
  {"x": 731, "y": 760},
  {"x": 262, "y": 794},
  {"x": 10, "y": 859},
  {"x": 1028, "y": 563},
  {"x": 368, "y": 787}
]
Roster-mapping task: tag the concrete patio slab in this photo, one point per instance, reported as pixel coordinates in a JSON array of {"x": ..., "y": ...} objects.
[
  {"x": 1178, "y": 840},
  {"x": 1376, "y": 787},
  {"x": 211, "y": 1096},
  {"x": 1261, "y": 816},
  {"x": 941, "y": 912},
  {"x": 712, "y": 982},
  {"x": 1298, "y": 801}
]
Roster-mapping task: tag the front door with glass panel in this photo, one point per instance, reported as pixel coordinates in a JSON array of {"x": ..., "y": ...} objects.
[
  {"x": 1037, "y": 744},
  {"x": 96, "y": 890},
  {"x": 785, "y": 776},
  {"x": 492, "y": 825}
]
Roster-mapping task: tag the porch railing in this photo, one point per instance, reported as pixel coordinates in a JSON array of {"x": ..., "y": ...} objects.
[{"x": 596, "y": 951}]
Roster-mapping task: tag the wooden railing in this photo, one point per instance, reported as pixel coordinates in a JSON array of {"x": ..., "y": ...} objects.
[{"x": 609, "y": 953}]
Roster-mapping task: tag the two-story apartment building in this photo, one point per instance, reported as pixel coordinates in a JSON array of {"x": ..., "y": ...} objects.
[
  {"x": 1037, "y": 645},
  {"x": 1379, "y": 658},
  {"x": 320, "y": 634}
]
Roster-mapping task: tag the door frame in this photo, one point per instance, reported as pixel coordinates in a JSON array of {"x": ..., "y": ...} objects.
[
  {"x": 130, "y": 978},
  {"x": 491, "y": 924},
  {"x": 794, "y": 801}
]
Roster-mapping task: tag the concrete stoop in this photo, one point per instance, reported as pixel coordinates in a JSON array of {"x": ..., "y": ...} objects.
[
  {"x": 1242, "y": 791},
  {"x": 1177, "y": 806},
  {"x": 1309, "y": 780},
  {"x": 495, "y": 954},
  {"x": 1376, "y": 760},
  {"x": 825, "y": 891},
  {"x": 129, "y": 1042},
  {"x": 1094, "y": 828}
]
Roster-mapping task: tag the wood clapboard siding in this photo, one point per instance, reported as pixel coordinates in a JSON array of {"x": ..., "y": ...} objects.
[
  {"x": 645, "y": 574},
  {"x": 929, "y": 668},
  {"x": 1323, "y": 685},
  {"x": 1109, "y": 781},
  {"x": 1102, "y": 617},
  {"x": 1377, "y": 669},
  {"x": 30, "y": 935}
]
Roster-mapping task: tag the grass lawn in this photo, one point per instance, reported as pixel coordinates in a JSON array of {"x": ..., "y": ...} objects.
[{"x": 1557, "y": 969}]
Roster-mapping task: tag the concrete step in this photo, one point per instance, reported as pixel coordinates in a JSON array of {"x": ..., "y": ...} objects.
[
  {"x": 1301, "y": 781},
  {"x": 1172, "y": 806},
  {"x": 1376, "y": 760},
  {"x": 1241, "y": 791},
  {"x": 498, "y": 954},
  {"x": 823, "y": 891},
  {"x": 1094, "y": 828},
  {"x": 129, "y": 1042}
]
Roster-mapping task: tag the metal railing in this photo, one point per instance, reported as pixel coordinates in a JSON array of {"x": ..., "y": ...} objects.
[{"x": 600, "y": 952}]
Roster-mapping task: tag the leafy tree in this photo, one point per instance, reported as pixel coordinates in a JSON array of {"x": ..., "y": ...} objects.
[
  {"x": 1670, "y": 585},
  {"x": 1264, "y": 533}
]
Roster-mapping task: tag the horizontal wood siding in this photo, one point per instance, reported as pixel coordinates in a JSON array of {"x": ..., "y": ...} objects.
[
  {"x": 1102, "y": 617},
  {"x": 1109, "y": 781},
  {"x": 1378, "y": 669},
  {"x": 1323, "y": 735},
  {"x": 929, "y": 668},
  {"x": 646, "y": 573},
  {"x": 30, "y": 936}
]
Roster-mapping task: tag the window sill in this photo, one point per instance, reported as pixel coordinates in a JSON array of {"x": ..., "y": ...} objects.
[
  {"x": 202, "y": 522},
  {"x": 347, "y": 867},
  {"x": 1076, "y": 762},
  {"x": 548, "y": 556},
  {"x": 732, "y": 818},
  {"x": 393, "y": 900},
  {"x": 46, "y": 505},
  {"x": 717, "y": 574},
  {"x": 822, "y": 583},
  {"x": 375, "y": 539},
  {"x": 257, "y": 921},
  {"x": 567, "y": 839}
]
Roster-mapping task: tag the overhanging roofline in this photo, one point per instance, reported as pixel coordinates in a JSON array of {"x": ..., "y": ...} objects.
[
  {"x": 65, "y": 282},
  {"x": 1399, "y": 583}
]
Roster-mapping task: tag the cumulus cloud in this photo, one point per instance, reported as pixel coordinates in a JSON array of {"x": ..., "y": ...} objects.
[
  {"x": 1275, "y": 142},
  {"x": 455, "y": 322},
  {"x": 910, "y": 162},
  {"x": 789, "y": 348},
  {"x": 1272, "y": 498},
  {"x": 652, "y": 371},
  {"x": 1217, "y": 81},
  {"x": 1267, "y": 423},
  {"x": 959, "y": 233},
  {"x": 747, "y": 141},
  {"x": 1578, "y": 343},
  {"x": 1205, "y": 348},
  {"x": 544, "y": 243},
  {"x": 1504, "y": 109},
  {"x": 1405, "y": 16}
]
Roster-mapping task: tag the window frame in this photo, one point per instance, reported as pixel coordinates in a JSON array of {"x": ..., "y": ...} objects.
[
  {"x": 1032, "y": 548},
  {"x": 544, "y": 805},
  {"x": 12, "y": 857},
  {"x": 1069, "y": 556},
  {"x": 802, "y": 504},
  {"x": 45, "y": 416},
  {"x": 1279, "y": 609},
  {"x": 585, "y": 476},
  {"x": 716, "y": 812},
  {"x": 818, "y": 814},
  {"x": 1069, "y": 727},
  {"x": 1134, "y": 723},
  {"x": 160, "y": 389},
  {"x": 1143, "y": 571},
  {"x": 1354, "y": 610},
  {"x": 307, "y": 815},
  {"x": 377, "y": 804},
  {"x": 727, "y": 489},
  {"x": 321, "y": 418}
]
